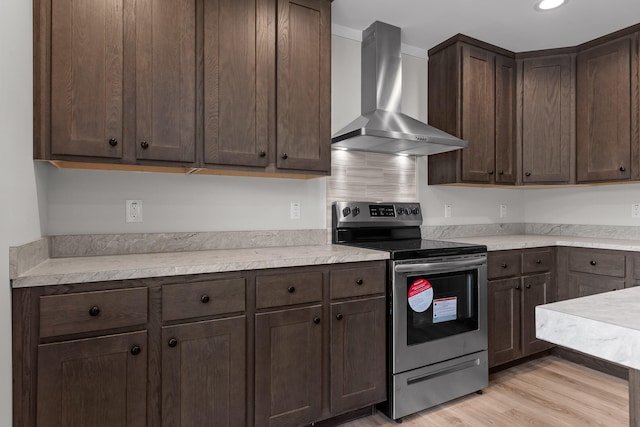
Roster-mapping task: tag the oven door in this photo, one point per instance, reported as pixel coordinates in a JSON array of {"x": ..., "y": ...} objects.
[{"x": 439, "y": 310}]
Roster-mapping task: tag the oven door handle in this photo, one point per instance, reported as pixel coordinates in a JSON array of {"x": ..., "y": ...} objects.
[{"x": 436, "y": 267}]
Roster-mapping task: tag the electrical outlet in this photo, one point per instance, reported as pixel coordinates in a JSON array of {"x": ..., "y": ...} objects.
[
  {"x": 447, "y": 211},
  {"x": 635, "y": 210},
  {"x": 503, "y": 211},
  {"x": 294, "y": 211},
  {"x": 134, "y": 210}
]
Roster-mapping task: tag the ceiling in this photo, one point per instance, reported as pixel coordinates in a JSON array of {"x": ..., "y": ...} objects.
[{"x": 510, "y": 24}]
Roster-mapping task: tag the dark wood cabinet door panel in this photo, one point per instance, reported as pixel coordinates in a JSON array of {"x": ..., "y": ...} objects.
[
  {"x": 504, "y": 316},
  {"x": 239, "y": 82},
  {"x": 546, "y": 119},
  {"x": 204, "y": 373},
  {"x": 98, "y": 382},
  {"x": 604, "y": 112},
  {"x": 582, "y": 285},
  {"x": 357, "y": 354},
  {"x": 538, "y": 290},
  {"x": 303, "y": 85},
  {"x": 87, "y": 46},
  {"x": 505, "y": 124},
  {"x": 288, "y": 367},
  {"x": 166, "y": 80},
  {"x": 478, "y": 114}
]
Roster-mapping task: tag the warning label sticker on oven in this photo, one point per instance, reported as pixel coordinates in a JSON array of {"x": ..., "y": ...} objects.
[
  {"x": 445, "y": 309},
  {"x": 420, "y": 295}
]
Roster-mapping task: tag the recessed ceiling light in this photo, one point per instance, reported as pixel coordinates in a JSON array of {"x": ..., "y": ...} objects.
[{"x": 549, "y": 4}]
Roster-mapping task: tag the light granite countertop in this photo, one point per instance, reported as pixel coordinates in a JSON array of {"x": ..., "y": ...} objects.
[
  {"x": 522, "y": 241},
  {"x": 606, "y": 325},
  {"x": 56, "y": 271}
]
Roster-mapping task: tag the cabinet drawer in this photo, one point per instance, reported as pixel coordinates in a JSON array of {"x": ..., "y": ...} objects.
[
  {"x": 92, "y": 311},
  {"x": 198, "y": 299},
  {"x": 503, "y": 264},
  {"x": 537, "y": 261},
  {"x": 353, "y": 282},
  {"x": 608, "y": 263},
  {"x": 288, "y": 289}
]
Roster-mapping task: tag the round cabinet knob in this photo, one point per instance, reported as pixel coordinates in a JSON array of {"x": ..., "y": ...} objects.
[
  {"x": 359, "y": 281},
  {"x": 204, "y": 298},
  {"x": 262, "y": 154},
  {"x": 504, "y": 265},
  {"x": 517, "y": 287},
  {"x": 528, "y": 286},
  {"x": 94, "y": 311},
  {"x": 622, "y": 169},
  {"x": 490, "y": 172},
  {"x": 285, "y": 156},
  {"x": 113, "y": 142},
  {"x": 339, "y": 316},
  {"x": 592, "y": 262},
  {"x": 173, "y": 342},
  {"x": 527, "y": 174},
  {"x": 135, "y": 350},
  {"x": 501, "y": 173},
  {"x": 291, "y": 289},
  {"x": 144, "y": 145},
  {"x": 316, "y": 320},
  {"x": 538, "y": 261}
]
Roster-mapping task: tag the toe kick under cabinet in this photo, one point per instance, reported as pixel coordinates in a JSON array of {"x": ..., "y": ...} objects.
[{"x": 285, "y": 347}]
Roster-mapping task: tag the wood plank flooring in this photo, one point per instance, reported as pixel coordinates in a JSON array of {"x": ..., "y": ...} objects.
[{"x": 544, "y": 392}]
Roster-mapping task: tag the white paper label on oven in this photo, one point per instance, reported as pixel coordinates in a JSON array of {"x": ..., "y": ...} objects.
[
  {"x": 420, "y": 295},
  {"x": 445, "y": 309}
]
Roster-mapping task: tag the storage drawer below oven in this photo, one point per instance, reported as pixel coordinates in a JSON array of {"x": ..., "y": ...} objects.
[{"x": 432, "y": 385}]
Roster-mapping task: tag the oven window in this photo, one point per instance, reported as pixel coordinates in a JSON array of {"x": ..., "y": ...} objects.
[{"x": 441, "y": 305}]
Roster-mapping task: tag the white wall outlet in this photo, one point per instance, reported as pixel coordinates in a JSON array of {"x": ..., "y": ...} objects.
[
  {"x": 503, "y": 211},
  {"x": 134, "y": 210},
  {"x": 294, "y": 211},
  {"x": 447, "y": 211},
  {"x": 635, "y": 210}
]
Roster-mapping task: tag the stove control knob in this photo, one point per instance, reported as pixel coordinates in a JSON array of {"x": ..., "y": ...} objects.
[
  {"x": 356, "y": 211},
  {"x": 416, "y": 211},
  {"x": 400, "y": 211},
  {"x": 346, "y": 211}
]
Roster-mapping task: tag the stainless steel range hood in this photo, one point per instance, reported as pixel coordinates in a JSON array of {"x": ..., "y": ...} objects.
[{"x": 382, "y": 128}]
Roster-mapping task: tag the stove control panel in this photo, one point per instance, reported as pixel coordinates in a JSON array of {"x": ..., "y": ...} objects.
[{"x": 373, "y": 214}]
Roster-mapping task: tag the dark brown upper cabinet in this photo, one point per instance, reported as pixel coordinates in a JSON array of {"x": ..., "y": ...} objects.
[
  {"x": 472, "y": 95},
  {"x": 547, "y": 118},
  {"x": 607, "y": 111}
]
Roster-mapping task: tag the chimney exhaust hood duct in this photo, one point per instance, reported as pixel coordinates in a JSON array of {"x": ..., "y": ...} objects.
[{"x": 382, "y": 128}]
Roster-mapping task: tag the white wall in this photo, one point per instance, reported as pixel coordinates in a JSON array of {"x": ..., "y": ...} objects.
[{"x": 20, "y": 221}]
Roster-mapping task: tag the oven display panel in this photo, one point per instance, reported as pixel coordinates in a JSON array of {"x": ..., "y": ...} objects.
[{"x": 382, "y": 210}]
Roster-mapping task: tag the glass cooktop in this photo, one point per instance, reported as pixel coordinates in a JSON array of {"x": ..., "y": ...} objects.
[{"x": 420, "y": 248}]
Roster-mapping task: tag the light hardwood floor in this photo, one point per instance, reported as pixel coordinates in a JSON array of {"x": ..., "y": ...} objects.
[{"x": 544, "y": 392}]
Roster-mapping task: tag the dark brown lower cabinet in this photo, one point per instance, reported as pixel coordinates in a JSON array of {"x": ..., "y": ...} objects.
[
  {"x": 357, "y": 354},
  {"x": 288, "y": 367},
  {"x": 204, "y": 373},
  {"x": 537, "y": 290},
  {"x": 504, "y": 320},
  {"x": 99, "y": 382}
]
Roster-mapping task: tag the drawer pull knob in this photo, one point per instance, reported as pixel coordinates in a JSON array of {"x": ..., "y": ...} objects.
[
  {"x": 491, "y": 172},
  {"x": 501, "y": 173},
  {"x": 291, "y": 289},
  {"x": 205, "y": 298},
  {"x": 135, "y": 350},
  {"x": 359, "y": 281},
  {"x": 504, "y": 265},
  {"x": 517, "y": 287},
  {"x": 593, "y": 262},
  {"x": 144, "y": 145},
  {"x": 316, "y": 320},
  {"x": 622, "y": 169},
  {"x": 528, "y": 286},
  {"x": 538, "y": 261},
  {"x": 113, "y": 142},
  {"x": 285, "y": 156},
  {"x": 94, "y": 311},
  {"x": 339, "y": 316},
  {"x": 173, "y": 342},
  {"x": 527, "y": 174},
  {"x": 263, "y": 154}
]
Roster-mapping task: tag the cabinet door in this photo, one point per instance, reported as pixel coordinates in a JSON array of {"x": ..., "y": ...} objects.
[
  {"x": 538, "y": 289},
  {"x": 239, "y": 81},
  {"x": 166, "y": 80},
  {"x": 358, "y": 353},
  {"x": 505, "y": 126},
  {"x": 288, "y": 369},
  {"x": 581, "y": 285},
  {"x": 204, "y": 373},
  {"x": 478, "y": 114},
  {"x": 98, "y": 382},
  {"x": 87, "y": 40},
  {"x": 546, "y": 120},
  {"x": 304, "y": 85},
  {"x": 604, "y": 112},
  {"x": 504, "y": 320}
]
